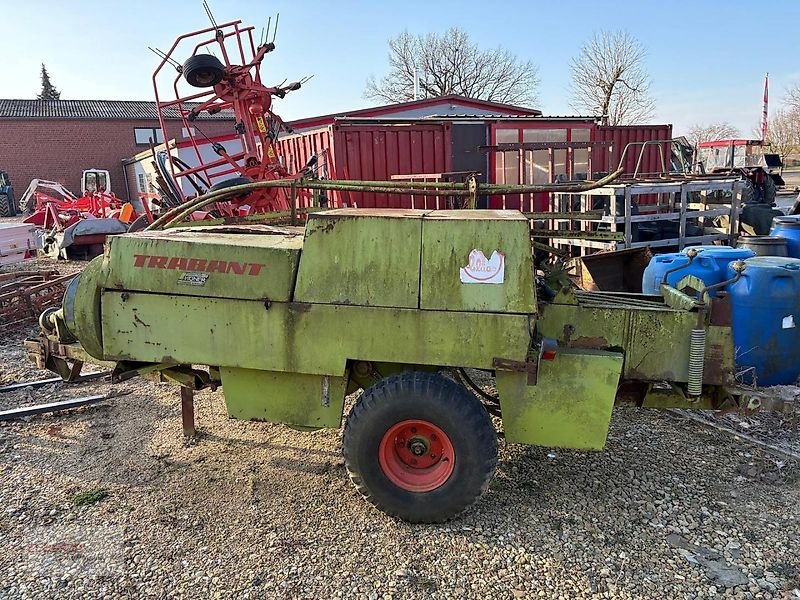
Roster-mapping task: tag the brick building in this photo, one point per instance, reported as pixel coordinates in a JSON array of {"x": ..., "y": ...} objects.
[{"x": 58, "y": 139}]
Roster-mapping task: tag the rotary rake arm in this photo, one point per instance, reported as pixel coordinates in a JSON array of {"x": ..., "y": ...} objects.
[{"x": 224, "y": 62}]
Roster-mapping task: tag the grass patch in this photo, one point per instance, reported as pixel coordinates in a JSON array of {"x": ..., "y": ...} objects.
[{"x": 89, "y": 497}]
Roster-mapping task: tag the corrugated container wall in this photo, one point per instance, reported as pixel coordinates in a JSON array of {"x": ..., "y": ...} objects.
[
  {"x": 622, "y": 135},
  {"x": 378, "y": 151},
  {"x": 371, "y": 153}
]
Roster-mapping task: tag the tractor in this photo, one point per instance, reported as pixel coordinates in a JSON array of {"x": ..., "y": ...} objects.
[
  {"x": 8, "y": 203},
  {"x": 759, "y": 170}
]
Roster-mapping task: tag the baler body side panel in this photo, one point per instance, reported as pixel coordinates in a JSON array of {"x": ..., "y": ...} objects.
[{"x": 303, "y": 338}]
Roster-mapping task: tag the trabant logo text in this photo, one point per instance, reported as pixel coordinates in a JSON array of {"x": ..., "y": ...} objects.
[{"x": 180, "y": 263}]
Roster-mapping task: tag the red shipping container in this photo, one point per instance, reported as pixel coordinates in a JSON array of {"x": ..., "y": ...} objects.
[{"x": 371, "y": 153}]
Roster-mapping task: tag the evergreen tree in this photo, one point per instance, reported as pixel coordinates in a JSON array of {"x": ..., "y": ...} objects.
[{"x": 49, "y": 91}]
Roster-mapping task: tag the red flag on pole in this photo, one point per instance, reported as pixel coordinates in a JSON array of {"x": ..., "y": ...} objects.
[{"x": 765, "y": 112}]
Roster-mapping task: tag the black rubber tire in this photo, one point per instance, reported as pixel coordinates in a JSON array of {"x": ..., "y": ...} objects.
[
  {"x": 138, "y": 224},
  {"x": 230, "y": 183},
  {"x": 770, "y": 191},
  {"x": 442, "y": 402},
  {"x": 749, "y": 195},
  {"x": 203, "y": 70},
  {"x": 6, "y": 206}
]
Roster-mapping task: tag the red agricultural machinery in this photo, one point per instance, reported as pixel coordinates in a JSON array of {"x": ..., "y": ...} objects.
[
  {"x": 232, "y": 82},
  {"x": 75, "y": 226}
]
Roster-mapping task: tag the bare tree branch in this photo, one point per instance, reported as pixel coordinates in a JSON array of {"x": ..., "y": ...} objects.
[
  {"x": 783, "y": 134},
  {"x": 793, "y": 97},
  {"x": 450, "y": 63},
  {"x": 609, "y": 79},
  {"x": 712, "y": 132}
]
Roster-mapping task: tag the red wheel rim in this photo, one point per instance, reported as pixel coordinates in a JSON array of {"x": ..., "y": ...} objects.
[{"x": 416, "y": 456}]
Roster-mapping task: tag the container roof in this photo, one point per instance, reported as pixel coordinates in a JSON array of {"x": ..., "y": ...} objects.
[
  {"x": 390, "y": 120},
  {"x": 127, "y": 110},
  {"x": 387, "y": 110}
]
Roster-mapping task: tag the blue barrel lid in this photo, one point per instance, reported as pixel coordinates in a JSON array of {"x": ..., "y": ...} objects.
[
  {"x": 724, "y": 251},
  {"x": 792, "y": 221},
  {"x": 772, "y": 262}
]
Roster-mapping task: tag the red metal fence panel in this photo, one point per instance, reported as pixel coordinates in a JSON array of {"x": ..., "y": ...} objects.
[{"x": 376, "y": 152}]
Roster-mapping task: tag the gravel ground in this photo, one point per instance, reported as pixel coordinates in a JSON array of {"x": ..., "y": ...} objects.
[{"x": 671, "y": 509}]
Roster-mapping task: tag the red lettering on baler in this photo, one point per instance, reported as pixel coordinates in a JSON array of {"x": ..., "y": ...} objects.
[
  {"x": 181, "y": 263},
  {"x": 177, "y": 262},
  {"x": 158, "y": 262},
  {"x": 255, "y": 268},
  {"x": 196, "y": 264},
  {"x": 219, "y": 266},
  {"x": 236, "y": 267}
]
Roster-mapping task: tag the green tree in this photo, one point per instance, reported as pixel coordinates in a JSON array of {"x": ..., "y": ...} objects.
[{"x": 49, "y": 91}]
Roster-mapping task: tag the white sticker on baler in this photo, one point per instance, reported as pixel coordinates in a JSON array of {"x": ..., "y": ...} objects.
[
  {"x": 193, "y": 278},
  {"x": 788, "y": 322},
  {"x": 484, "y": 270}
]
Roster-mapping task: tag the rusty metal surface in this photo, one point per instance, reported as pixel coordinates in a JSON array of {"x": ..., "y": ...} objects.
[
  {"x": 621, "y": 135},
  {"x": 187, "y": 411},
  {"x": 619, "y": 271}
]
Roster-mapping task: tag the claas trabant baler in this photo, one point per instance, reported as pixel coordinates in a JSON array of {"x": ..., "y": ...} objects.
[{"x": 290, "y": 320}]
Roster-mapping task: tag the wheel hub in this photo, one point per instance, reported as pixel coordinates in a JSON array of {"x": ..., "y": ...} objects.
[{"x": 417, "y": 455}]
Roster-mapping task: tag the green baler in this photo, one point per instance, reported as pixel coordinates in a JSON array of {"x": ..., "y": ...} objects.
[{"x": 290, "y": 320}]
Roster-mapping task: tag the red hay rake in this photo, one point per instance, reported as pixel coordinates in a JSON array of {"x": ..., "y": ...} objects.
[{"x": 231, "y": 81}]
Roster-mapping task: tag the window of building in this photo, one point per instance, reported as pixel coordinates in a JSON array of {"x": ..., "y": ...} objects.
[
  {"x": 188, "y": 132},
  {"x": 143, "y": 135}
]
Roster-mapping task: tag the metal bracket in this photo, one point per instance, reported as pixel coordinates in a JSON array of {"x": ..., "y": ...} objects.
[{"x": 531, "y": 368}]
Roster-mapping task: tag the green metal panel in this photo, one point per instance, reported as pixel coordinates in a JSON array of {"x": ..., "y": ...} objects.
[
  {"x": 655, "y": 342},
  {"x": 658, "y": 346},
  {"x": 448, "y": 239},
  {"x": 302, "y": 338},
  {"x": 252, "y": 261},
  {"x": 290, "y": 398},
  {"x": 570, "y": 405},
  {"x": 82, "y": 311},
  {"x": 361, "y": 257}
]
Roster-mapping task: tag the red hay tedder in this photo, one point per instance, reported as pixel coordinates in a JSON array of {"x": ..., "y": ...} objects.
[
  {"x": 76, "y": 227},
  {"x": 232, "y": 81}
]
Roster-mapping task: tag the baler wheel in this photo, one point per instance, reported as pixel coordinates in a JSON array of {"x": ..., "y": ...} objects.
[
  {"x": 203, "y": 70},
  {"x": 420, "y": 447}
]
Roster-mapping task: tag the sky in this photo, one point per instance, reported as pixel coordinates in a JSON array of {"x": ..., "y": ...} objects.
[{"x": 706, "y": 59}]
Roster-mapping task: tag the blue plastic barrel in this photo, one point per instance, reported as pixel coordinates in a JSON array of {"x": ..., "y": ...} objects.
[
  {"x": 654, "y": 272},
  {"x": 789, "y": 228},
  {"x": 766, "y": 320},
  {"x": 710, "y": 266}
]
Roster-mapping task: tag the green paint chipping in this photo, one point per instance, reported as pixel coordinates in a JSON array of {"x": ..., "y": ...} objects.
[
  {"x": 89, "y": 497},
  {"x": 361, "y": 257}
]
